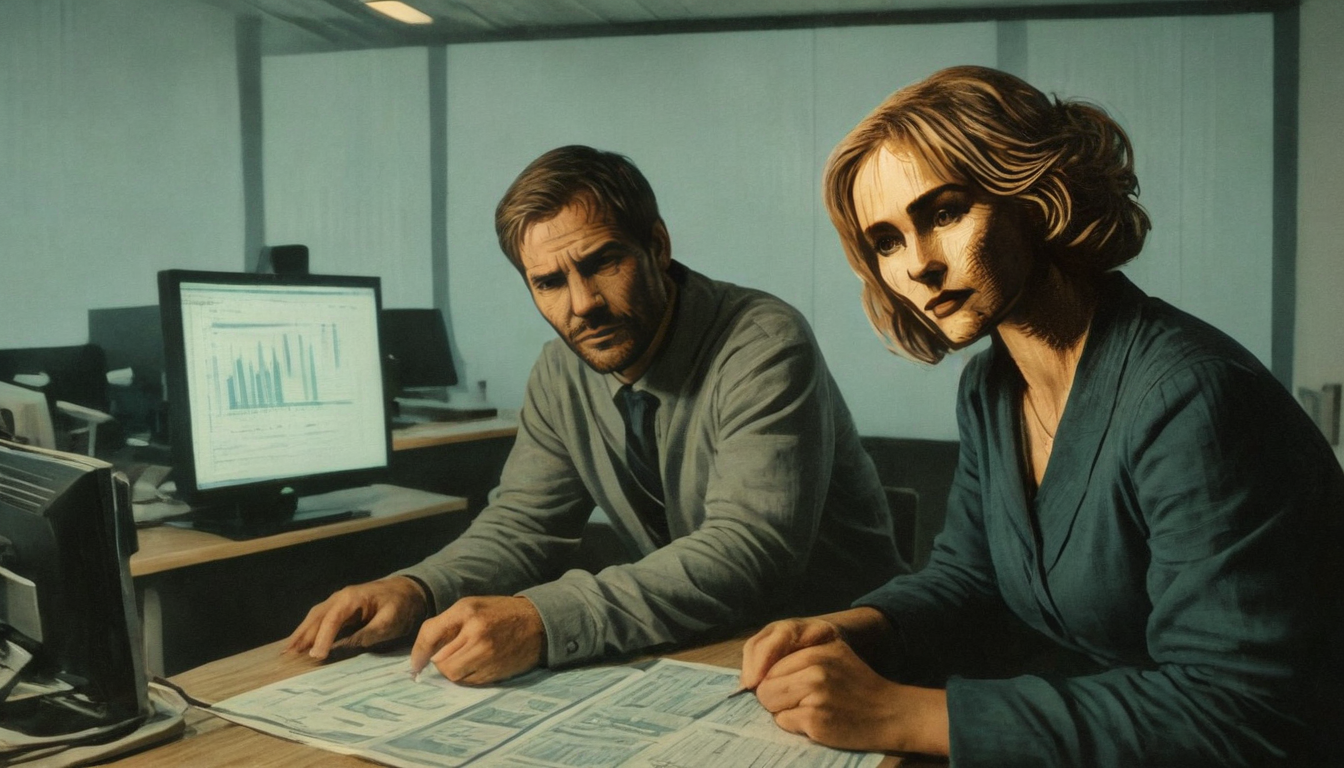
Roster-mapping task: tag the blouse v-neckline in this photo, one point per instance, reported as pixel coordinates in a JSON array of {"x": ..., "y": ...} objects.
[{"x": 1046, "y": 510}]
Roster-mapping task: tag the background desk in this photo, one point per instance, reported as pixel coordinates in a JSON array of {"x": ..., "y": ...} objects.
[
  {"x": 203, "y": 596},
  {"x": 210, "y": 741},
  {"x": 458, "y": 458}
]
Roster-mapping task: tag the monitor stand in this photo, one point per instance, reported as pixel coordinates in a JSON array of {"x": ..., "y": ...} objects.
[{"x": 263, "y": 516}]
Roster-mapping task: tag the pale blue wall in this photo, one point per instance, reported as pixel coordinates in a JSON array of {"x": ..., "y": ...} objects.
[
  {"x": 733, "y": 129},
  {"x": 119, "y": 156},
  {"x": 1195, "y": 95},
  {"x": 346, "y": 163}
]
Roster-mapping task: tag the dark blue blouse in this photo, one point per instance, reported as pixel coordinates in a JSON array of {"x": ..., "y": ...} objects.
[{"x": 1185, "y": 538}]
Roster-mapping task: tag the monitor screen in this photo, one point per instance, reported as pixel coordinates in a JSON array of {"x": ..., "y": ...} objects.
[{"x": 273, "y": 380}]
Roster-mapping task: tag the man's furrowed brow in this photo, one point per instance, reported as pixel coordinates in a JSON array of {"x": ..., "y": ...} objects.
[
  {"x": 541, "y": 279},
  {"x": 600, "y": 255}
]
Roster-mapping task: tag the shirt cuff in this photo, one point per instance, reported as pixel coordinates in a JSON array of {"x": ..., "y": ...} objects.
[
  {"x": 438, "y": 594},
  {"x": 430, "y": 605},
  {"x": 571, "y": 633}
]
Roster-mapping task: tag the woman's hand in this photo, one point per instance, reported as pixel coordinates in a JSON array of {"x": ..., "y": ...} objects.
[
  {"x": 779, "y": 639},
  {"x": 865, "y": 629},
  {"x": 827, "y": 693}
]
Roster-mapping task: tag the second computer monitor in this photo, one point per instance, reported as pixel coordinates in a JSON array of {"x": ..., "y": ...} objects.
[{"x": 416, "y": 343}]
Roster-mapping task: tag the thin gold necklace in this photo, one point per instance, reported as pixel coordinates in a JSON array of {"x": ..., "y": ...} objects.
[{"x": 1049, "y": 436}]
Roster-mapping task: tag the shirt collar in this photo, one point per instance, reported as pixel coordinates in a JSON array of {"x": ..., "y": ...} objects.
[{"x": 691, "y": 317}]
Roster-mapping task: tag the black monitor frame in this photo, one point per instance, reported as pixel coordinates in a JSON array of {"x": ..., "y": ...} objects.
[
  {"x": 263, "y": 506},
  {"x": 66, "y": 525}
]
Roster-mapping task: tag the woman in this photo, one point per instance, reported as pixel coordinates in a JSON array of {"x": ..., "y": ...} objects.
[{"x": 1134, "y": 487}]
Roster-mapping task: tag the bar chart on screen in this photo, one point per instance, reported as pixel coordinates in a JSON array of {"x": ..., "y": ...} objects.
[{"x": 271, "y": 365}]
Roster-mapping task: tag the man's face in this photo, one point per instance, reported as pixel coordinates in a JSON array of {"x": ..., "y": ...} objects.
[{"x": 603, "y": 294}]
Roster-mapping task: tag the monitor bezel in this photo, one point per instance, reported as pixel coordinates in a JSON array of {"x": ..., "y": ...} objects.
[{"x": 179, "y": 403}]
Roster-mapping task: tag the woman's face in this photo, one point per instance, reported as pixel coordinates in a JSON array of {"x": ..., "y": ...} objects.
[{"x": 952, "y": 253}]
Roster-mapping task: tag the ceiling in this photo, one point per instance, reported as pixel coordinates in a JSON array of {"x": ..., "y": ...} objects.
[{"x": 294, "y": 26}]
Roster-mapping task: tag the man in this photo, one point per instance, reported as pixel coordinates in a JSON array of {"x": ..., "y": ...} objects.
[{"x": 698, "y": 414}]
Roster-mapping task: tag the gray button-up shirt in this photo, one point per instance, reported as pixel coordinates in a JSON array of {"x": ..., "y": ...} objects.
[{"x": 772, "y": 503}]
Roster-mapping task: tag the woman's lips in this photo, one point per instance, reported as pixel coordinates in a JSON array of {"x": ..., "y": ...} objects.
[{"x": 947, "y": 302}]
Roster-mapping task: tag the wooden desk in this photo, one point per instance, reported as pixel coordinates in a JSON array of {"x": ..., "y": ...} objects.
[
  {"x": 461, "y": 458},
  {"x": 210, "y": 741},
  {"x": 432, "y": 433},
  {"x": 163, "y": 548},
  {"x": 166, "y": 549}
]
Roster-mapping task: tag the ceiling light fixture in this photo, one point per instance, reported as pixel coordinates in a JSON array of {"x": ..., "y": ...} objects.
[{"x": 400, "y": 11}]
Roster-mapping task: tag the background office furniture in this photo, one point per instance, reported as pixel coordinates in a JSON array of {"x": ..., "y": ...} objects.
[
  {"x": 25, "y": 414},
  {"x": 74, "y": 380},
  {"x": 416, "y": 343},
  {"x": 418, "y": 369},
  {"x": 203, "y": 596},
  {"x": 918, "y": 477},
  {"x": 132, "y": 339},
  {"x": 457, "y": 458}
]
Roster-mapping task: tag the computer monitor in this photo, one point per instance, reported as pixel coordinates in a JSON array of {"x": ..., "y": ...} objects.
[
  {"x": 275, "y": 389},
  {"x": 132, "y": 339},
  {"x": 415, "y": 342},
  {"x": 69, "y": 636}
]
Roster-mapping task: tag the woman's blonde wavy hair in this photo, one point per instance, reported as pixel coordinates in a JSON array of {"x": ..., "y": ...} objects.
[{"x": 1067, "y": 164}]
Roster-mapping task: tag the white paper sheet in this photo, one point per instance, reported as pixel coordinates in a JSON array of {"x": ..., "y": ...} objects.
[{"x": 670, "y": 715}]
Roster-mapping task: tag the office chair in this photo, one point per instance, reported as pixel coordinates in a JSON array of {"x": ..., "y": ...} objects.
[{"x": 74, "y": 381}]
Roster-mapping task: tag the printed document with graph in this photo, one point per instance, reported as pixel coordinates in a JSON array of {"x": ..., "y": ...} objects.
[{"x": 669, "y": 715}]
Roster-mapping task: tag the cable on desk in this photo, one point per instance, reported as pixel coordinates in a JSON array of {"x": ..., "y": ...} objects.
[{"x": 180, "y": 691}]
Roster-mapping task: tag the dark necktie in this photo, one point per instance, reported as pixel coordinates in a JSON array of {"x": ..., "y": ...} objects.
[{"x": 641, "y": 454}]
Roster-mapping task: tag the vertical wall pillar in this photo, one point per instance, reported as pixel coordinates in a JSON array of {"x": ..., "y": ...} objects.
[
  {"x": 249, "y": 113},
  {"x": 1287, "y": 47}
]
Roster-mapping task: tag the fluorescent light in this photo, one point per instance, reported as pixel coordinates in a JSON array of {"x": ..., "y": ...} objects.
[{"x": 400, "y": 11}]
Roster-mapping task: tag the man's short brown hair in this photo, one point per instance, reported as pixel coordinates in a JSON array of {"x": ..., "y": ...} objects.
[{"x": 607, "y": 182}]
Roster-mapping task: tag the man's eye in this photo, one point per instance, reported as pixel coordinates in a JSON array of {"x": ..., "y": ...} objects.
[
  {"x": 885, "y": 245},
  {"x": 547, "y": 284}
]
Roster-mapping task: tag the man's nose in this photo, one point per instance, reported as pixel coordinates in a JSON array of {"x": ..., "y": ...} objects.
[{"x": 584, "y": 297}]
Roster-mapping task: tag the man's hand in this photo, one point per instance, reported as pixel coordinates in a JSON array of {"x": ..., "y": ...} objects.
[
  {"x": 827, "y": 693},
  {"x": 481, "y": 639},
  {"x": 387, "y": 609}
]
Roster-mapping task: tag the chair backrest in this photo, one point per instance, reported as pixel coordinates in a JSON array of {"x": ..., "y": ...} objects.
[
  {"x": 29, "y": 414},
  {"x": 78, "y": 374},
  {"x": 924, "y": 466}
]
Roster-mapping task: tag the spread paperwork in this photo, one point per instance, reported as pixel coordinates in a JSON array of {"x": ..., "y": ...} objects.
[{"x": 669, "y": 714}]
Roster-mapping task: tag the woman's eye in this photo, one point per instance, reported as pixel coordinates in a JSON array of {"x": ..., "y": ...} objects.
[
  {"x": 886, "y": 245},
  {"x": 946, "y": 216}
]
